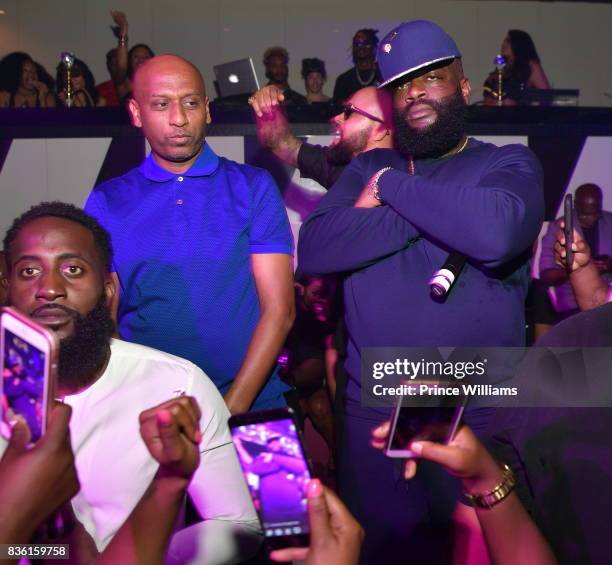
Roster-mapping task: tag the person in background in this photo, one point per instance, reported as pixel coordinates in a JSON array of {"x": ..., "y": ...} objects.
[
  {"x": 84, "y": 93},
  {"x": 115, "y": 89},
  {"x": 276, "y": 62},
  {"x": 121, "y": 63},
  {"x": 108, "y": 88},
  {"x": 364, "y": 124},
  {"x": 20, "y": 84},
  {"x": 315, "y": 76},
  {"x": 523, "y": 70},
  {"x": 595, "y": 225},
  {"x": 364, "y": 71},
  {"x": 310, "y": 351},
  {"x": 589, "y": 287}
]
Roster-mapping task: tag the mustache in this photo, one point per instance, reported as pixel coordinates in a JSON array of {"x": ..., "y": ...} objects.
[{"x": 72, "y": 313}]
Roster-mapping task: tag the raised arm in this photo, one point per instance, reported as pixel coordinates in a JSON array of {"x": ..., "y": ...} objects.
[
  {"x": 122, "y": 46},
  {"x": 590, "y": 289},
  {"x": 272, "y": 126}
]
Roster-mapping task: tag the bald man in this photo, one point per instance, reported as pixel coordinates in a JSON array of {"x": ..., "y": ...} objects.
[
  {"x": 596, "y": 226},
  {"x": 364, "y": 124},
  {"x": 202, "y": 244}
]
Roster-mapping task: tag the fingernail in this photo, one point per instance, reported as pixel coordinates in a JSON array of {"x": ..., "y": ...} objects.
[
  {"x": 416, "y": 447},
  {"x": 314, "y": 488},
  {"x": 15, "y": 418},
  {"x": 164, "y": 418},
  {"x": 199, "y": 436}
]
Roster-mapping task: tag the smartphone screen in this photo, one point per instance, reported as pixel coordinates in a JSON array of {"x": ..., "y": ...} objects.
[
  {"x": 437, "y": 424},
  {"x": 25, "y": 377},
  {"x": 276, "y": 472}
]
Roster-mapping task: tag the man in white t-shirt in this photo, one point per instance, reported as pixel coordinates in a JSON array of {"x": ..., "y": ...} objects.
[{"x": 58, "y": 262}]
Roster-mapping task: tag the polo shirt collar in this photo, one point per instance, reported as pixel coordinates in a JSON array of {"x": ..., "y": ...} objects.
[{"x": 205, "y": 165}]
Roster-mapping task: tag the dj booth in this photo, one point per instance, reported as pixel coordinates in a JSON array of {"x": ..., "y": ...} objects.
[{"x": 48, "y": 154}]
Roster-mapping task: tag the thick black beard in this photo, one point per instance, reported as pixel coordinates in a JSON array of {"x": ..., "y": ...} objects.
[
  {"x": 343, "y": 151},
  {"x": 85, "y": 352},
  {"x": 438, "y": 138}
]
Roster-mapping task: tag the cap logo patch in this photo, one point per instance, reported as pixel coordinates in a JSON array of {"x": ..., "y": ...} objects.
[{"x": 387, "y": 46}]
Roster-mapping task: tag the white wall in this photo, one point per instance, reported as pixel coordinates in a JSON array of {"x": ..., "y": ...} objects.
[{"x": 572, "y": 38}]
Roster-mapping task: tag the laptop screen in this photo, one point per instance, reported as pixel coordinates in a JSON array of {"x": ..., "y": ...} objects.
[{"x": 236, "y": 77}]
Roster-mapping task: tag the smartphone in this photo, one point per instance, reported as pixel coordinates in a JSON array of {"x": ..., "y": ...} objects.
[
  {"x": 271, "y": 454},
  {"x": 413, "y": 423},
  {"x": 29, "y": 355},
  {"x": 568, "y": 230}
]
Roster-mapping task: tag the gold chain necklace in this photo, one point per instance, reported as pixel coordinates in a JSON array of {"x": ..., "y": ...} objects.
[{"x": 449, "y": 154}]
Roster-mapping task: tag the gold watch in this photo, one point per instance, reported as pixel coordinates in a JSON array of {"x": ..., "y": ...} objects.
[{"x": 499, "y": 492}]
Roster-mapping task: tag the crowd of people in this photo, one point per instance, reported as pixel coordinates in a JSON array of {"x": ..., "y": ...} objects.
[
  {"x": 173, "y": 297},
  {"x": 24, "y": 83}
]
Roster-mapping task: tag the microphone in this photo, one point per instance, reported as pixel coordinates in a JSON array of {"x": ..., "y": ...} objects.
[{"x": 444, "y": 278}]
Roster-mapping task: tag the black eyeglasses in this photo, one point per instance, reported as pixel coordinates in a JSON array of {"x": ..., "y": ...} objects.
[
  {"x": 362, "y": 43},
  {"x": 350, "y": 108}
]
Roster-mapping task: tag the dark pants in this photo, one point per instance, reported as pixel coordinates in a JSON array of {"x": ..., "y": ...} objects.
[{"x": 404, "y": 521}]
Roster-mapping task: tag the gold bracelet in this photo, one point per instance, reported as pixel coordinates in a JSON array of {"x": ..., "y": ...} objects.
[{"x": 499, "y": 492}]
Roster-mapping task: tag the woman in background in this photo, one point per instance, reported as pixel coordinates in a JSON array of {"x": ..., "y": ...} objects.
[
  {"x": 84, "y": 93},
  {"x": 523, "y": 70},
  {"x": 21, "y": 85},
  {"x": 314, "y": 75}
]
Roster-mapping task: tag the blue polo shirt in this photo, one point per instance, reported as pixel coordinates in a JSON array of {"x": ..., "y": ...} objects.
[{"x": 182, "y": 246}]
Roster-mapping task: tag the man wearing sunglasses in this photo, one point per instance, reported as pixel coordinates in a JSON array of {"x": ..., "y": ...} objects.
[
  {"x": 388, "y": 224},
  {"x": 364, "y": 124}
]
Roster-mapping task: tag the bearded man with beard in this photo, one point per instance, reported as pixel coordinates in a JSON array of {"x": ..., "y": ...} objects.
[
  {"x": 58, "y": 271},
  {"x": 364, "y": 124},
  {"x": 388, "y": 224}
]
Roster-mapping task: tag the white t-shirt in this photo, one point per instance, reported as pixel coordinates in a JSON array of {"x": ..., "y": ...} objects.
[{"x": 115, "y": 467}]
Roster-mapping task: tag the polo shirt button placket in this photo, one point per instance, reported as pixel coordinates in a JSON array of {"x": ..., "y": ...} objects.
[{"x": 179, "y": 202}]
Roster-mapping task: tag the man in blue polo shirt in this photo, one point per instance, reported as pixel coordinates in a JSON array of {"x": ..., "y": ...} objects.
[{"x": 202, "y": 244}]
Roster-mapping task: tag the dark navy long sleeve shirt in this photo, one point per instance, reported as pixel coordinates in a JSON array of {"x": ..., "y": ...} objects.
[{"x": 485, "y": 202}]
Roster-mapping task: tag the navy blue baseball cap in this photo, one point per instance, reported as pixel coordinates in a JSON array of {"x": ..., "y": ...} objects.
[{"x": 412, "y": 46}]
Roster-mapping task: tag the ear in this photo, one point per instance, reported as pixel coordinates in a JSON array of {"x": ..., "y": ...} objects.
[
  {"x": 466, "y": 89},
  {"x": 208, "y": 116},
  {"x": 111, "y": 291},
  {"x": 380, "y": 132},
  {"x": 134, "y": 109},
  {"x": 299, "y": 287}
]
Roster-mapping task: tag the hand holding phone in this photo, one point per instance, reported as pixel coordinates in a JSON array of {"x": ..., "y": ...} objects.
[
  {"x": 409, "y": 424},
  {"x": 568, "y": 231},
  {"x": 28, "y": 358},
  {"x": 336, "y": 536},
  {"x": 277, "y": 473},
  {"x": 464, "y": 457},
  {"x": 35, "y": 482}
]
